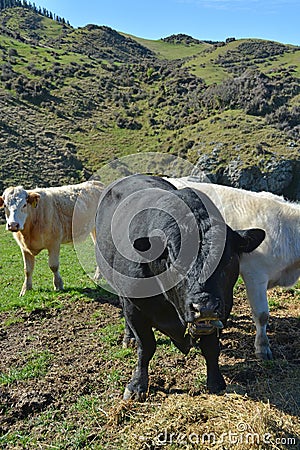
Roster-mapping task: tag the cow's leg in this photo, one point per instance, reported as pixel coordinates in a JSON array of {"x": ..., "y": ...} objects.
[
  {"x": 210, "y": 347},
  {"x": 53, "y": 261},
  {"x": 128, "y": 338},
  {"x": 257, "y": 296},
  {"x": 97, "y": 274},
  {"x": 28, "y": 259},
  {"x": 142, "y": 329}
]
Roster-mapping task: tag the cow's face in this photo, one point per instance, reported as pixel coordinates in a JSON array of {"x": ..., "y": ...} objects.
[
  {"x": 16, "y": 202},
  {"x": 209, "y": 308},
  {"x": 201, "y": 293}
]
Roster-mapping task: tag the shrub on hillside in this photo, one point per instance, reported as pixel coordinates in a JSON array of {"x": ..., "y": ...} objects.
[
  {"x": 285, "y": 118},
  {"x": 129, "y": 124},
  {"x": 7, "y": 72},
  {"x": 254, "y": 92}
]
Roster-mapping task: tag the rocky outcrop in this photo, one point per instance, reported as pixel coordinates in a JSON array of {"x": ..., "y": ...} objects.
[{"x": 279, "y": 176}]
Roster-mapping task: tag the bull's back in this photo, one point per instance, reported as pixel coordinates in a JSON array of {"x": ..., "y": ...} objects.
[{"x": 118, "y": 204}]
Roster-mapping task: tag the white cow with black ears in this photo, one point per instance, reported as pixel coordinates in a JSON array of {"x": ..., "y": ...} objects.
[{"x": 276, "y": 262}]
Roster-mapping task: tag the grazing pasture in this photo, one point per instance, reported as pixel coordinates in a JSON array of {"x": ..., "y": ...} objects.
[{"x": 63, "y": 372}]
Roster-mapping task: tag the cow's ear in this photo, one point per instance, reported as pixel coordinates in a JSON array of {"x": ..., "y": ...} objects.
[
  {"x": 33, "y": 199},
  {"x": 142, "y": 244},
  {"x": 1, "y": 202},
  {"x": 248, "y": 240}
]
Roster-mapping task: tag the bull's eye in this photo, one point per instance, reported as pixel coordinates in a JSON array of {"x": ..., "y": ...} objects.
[{"x": 24, "y": 206}]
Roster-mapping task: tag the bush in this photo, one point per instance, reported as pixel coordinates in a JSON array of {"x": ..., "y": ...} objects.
[
  {"x": 253, "y": 92},
  {"x": 7, "y": 72},
  {"x": 12, "y": 52},
  {"x": 285, "y": 118},
  {"x": 128, "y": 124}
]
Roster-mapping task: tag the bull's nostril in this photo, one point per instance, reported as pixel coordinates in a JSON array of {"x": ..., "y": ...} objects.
[
  {"x": 209, "y": 309},
  {"x": 196, "y": 307}
]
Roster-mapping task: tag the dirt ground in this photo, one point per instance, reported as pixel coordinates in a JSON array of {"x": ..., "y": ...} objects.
[{"x": 80, "y": 365}]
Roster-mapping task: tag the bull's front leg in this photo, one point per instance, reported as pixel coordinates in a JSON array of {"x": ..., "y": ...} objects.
[
  {"x": 28, "y": 260},
  {"x": 53, "y": 261},
  {"x": 142, "y": 329},
  {"x": 210, "y": 347}
]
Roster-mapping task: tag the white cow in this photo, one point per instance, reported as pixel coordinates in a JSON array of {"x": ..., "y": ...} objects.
[
  {"x": 276, "y": 262},
  {"x": 43, "y": 219}
]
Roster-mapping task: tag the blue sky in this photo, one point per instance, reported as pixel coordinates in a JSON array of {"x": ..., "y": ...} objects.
[{"x": 277, "y": 20}]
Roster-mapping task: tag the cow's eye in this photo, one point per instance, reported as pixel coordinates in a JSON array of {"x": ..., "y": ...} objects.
[{"x": 24, "y": 206}]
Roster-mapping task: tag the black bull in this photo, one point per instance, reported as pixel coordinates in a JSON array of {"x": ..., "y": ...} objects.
[{"x": 173, "y": 262}]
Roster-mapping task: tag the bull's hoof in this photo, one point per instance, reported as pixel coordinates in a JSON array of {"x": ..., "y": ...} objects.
[
  {"x": 265, "y": 355},
  {"x": 137, "y": 396},
  {"x": 216, "y": 388}
]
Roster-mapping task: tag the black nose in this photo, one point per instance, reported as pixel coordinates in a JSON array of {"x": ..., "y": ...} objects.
[{"x": 13, "y": 226}]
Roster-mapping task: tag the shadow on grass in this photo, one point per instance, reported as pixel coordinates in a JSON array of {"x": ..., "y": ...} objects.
[{"x": 97, "y": 294}]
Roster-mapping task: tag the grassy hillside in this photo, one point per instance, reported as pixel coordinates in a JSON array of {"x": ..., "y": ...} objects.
[
  {"x": 171, "y": 50},
  {"x": 73, "y": 99}
]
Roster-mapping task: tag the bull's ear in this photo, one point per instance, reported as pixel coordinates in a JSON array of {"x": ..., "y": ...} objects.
[
  {"x": 142, "y": 244},
  {"x": 1, "y": 202},
  {"x": 248, "y": 240},
  {"x": 33, "y": 199}
]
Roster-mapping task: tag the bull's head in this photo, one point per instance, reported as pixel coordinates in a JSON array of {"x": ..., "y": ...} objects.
[
  {"x": 196, "y": 261},
  {"x": 15, "y": 201}
]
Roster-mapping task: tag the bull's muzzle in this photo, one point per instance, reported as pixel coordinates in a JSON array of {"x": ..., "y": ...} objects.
[
  {"x": 13, "y": 226},
  {"x": 204, "y": 327},
  {"x": 206, "y": 316}
]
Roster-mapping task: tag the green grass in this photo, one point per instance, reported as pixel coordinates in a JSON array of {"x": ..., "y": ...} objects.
[
  {"x": 284, "y": 61},
  {"x": 76, "y": 281},
  {"x": 165, "y": 50},
  {"x": 274, "y": 304},
  {"x": 204, "y": 66},
  {"x": 35, "y": 367},
  {"x": 43, "y": 26},
  {"x": 41, "y": 57}
]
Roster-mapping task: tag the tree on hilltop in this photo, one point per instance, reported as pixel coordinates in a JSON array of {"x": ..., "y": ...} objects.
[{"x": 5, "y": 4}]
